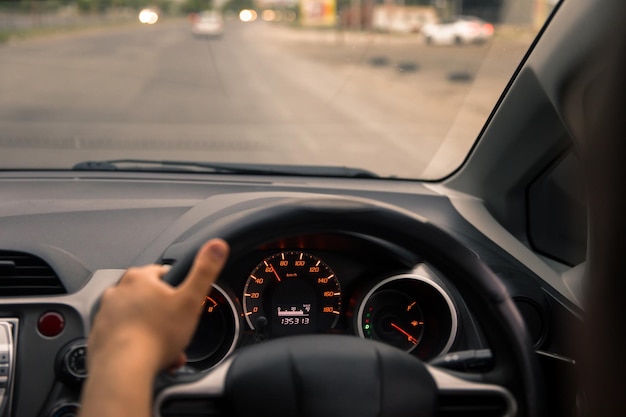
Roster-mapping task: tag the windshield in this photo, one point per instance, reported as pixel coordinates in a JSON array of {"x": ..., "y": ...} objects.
[{"x": 393, "y": 88}]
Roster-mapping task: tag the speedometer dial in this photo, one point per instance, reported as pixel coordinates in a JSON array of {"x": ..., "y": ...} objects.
[{"x": 292, "y": 292}]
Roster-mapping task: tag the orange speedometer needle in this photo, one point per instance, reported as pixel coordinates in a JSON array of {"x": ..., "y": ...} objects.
[
  {"x": 275, "y": 273},
  {"x": 398, "y": 328}
]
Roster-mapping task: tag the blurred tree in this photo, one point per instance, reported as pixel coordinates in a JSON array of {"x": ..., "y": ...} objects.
[
  {"x": 98, "y": 6},
  {"x": 165, "y": 6},
  {"x": 238, "y": 5},
  {"x": 191, "y": 6},
  {"x": 418, "y": 2},
  {"x": 91, "y": 6}
]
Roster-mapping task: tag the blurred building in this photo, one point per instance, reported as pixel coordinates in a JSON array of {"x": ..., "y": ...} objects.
[
  {"x": 508, "y": 12},
  {"x": 402, "y": 19},
  {"x": 318, "y": 13},
  {"x": 405, "y": 16}
]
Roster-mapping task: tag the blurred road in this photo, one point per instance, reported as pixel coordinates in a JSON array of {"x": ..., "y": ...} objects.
[{"x": 261, "y": 94}]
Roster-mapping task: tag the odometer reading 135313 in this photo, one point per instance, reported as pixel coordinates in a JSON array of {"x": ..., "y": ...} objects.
[{"x": 292, "y": 292}]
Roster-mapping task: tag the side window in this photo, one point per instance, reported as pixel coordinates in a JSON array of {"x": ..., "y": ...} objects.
[{"x": 557, "y": 211}]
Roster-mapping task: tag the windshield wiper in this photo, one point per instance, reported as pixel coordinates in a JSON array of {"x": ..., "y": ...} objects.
[{"x": 223, "y": 168}]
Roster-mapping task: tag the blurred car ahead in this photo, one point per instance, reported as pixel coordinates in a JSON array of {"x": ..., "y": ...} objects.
[
  {"x": 208, "y": 24},
  {"x": 462, "y": 30}
]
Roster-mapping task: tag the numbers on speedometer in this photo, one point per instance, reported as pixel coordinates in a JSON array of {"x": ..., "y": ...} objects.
[{"x": 292, "y": 292}]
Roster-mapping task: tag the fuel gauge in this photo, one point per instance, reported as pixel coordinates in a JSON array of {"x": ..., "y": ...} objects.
[
  {"x": 411, "y": 312},
  {"x": 394, "y": 318}
]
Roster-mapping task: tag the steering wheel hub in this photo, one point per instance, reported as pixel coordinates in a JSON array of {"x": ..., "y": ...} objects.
[{"x": 328, "y": 375}]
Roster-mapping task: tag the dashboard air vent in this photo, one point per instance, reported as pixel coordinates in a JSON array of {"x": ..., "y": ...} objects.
[{"x": 25, "y": 274}]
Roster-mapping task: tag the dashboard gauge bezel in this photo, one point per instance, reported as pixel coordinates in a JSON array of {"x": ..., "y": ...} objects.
[
  {"x": 422, "y": 278},
  {"x": 236, "y": 332}
]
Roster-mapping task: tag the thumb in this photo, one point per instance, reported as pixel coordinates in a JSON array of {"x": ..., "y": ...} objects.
[{"x": 206, "y": 267}]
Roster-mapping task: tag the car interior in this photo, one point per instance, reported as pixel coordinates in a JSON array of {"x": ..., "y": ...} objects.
[{"x": 494, "y": 291}]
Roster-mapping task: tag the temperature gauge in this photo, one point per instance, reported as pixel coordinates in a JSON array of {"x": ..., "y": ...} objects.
[{"x": 217, "y": 332}]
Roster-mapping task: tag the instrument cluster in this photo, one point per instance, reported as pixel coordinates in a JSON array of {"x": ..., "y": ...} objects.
[{"x": 293, "y": 290}]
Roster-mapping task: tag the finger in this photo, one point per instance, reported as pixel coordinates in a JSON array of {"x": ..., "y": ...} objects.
[
  {"x": 164, "y": 269},
  {"x": 206, "y": 268},
  {"x": 134, "y": 274}
]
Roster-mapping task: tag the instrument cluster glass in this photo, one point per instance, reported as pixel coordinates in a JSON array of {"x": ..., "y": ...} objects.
[{"x": 292, "y": 292}]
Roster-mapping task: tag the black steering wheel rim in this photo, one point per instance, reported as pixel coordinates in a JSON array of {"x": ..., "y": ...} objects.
[{"x": 515, "y": 366}]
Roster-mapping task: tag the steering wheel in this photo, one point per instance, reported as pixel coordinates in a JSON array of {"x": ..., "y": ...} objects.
[{"x": 334, "y": 375}]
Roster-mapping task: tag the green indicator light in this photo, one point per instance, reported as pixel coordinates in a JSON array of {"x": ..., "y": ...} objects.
[{"x": 367, "y": 327}]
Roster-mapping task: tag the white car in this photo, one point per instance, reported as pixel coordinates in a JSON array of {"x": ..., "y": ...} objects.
[
  {"x": 208, "y": 24},
  {"x": 462, "y": 30}
]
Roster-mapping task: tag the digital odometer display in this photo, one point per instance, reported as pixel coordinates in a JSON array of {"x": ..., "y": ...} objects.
[
  {"x": 292, "y": 292},
  {"x": 294, "y": 316}
]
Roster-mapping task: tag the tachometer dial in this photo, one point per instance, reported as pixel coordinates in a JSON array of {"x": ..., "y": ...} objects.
[
  {"x": 217, "y": 332},
  {"x": 292, "y": 292}
]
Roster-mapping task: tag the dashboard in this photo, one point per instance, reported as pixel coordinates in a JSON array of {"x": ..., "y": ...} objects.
[{"x": 80, "y": 232}]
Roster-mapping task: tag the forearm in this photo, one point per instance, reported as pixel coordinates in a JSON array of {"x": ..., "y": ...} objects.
[
  {"x": 120, "y": 385},
  {"x": 143, "y": 327}
]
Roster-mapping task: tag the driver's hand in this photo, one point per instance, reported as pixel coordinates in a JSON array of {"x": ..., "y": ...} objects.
[{"x": 146, "y": 317}]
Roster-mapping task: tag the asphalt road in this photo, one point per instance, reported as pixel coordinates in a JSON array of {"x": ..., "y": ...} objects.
[{"x": 261, "y": 94}]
